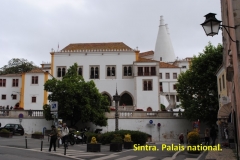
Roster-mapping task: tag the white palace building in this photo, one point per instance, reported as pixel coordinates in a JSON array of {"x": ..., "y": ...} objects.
[{"x": 144, "y": 80}]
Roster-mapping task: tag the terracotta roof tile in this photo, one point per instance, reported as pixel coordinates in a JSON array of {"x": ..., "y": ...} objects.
[
  {"x": 11, "y": 75},
  {"x": 145, "y": 60},
  {"x": 166, "y": 65},
  {"x": 36, "y": 70},
  {"x": 97, "y": 46},
  {"x": 146, "y": 53}
]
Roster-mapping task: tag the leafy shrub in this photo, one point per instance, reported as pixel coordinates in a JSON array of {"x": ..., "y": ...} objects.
[
  {"x": 5, "y": 131},
  {"x": 163, "y": 108},
  {"x": 137, "y": 137},
  {"x": 193, "y": 137},
  {"x": 117, "y": 139}
]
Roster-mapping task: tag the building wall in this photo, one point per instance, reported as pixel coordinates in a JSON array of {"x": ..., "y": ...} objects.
[
  {"x": 231, "y": 17},
  {"x": 33, "y": 90},
  {"x": 8, "y": 90},
  {"x": 168, "y": 132},
  {"x": 222, "y": 84},
  {"x": 30, "y": 125}
]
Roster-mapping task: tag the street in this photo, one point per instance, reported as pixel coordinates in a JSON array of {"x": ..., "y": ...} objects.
[{"x": 12, "y": 148}]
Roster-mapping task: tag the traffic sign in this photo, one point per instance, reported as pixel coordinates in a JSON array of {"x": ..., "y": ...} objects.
[
  {"x": 151, "y": 121},
  {"x": 54, "y": 106}
]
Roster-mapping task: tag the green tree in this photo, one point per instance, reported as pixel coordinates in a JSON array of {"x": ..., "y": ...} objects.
[
  {"x": 17, "y": 65},
  {"x": 77, "y": 100},
  {"x": 197, "y": 87}
]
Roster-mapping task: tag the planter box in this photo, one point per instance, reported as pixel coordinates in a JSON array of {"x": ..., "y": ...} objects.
[
  {"x": 128, "y": 145},
  {"x": 94, "y": 147},
  {"x": 7, "y": 135},
  {"x": 37, "y": 136},
  {"x": 116, "y": 147}
]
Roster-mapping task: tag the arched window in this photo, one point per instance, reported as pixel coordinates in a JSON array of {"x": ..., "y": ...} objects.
[
  {"x": 109, "y": 98},
  {"x": 149, "y": 85},
  {"x": 59, "y": 72},
  {"x": 129, "y": 71},
  {"x": 108, "y": 71},
  {"x": 80, "y": 71},
  {"x": 63, "y": 72},
  {"x": 149, "y": 109},
  {"x": 125, "y": 71},
  {"x": 113, "y": 71},
  {"x": 145, "y": 85},
  {"x": 96, "y": 72},
  {"x": 92, "y": 73},
  {"x": 126, "y": 99}
]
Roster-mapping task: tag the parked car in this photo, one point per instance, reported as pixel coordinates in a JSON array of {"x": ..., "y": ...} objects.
[{"x": 15, "y": 128}]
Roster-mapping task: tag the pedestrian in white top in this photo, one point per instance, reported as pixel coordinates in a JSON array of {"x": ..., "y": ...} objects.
[{"x": 65, "y": 132}]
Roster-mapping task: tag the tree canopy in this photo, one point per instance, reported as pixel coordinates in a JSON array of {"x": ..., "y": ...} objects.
[
  {"x": 77, "y": 100},
  {"x": 197, "y": 87},
  {"x": 17, "y": 65}
]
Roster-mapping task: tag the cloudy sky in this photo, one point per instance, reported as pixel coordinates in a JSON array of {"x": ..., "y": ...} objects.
[{"x": 29, "y": 29}]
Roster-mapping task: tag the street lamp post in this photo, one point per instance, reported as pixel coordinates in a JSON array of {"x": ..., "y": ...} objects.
[
  {"x": 211, "y": 27},
  {"x": 116, "y": 98}
]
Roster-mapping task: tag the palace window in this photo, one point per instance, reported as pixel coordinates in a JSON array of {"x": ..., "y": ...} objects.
[
  {"x": 2, "y": 82},
  {"x": 220, "y": 85},
  {"x": 146, "y": 71},
  {"x": 94, "y": 72},
  {"x": 174, "y": 75},
  {"x": 140, "y": 71},
  {"x": 111, "y": 71},
  {"x": 127, "y": 70},
  {"x": 160, "y": 75},
  {"x": 15, "y": 82},
  {"x": 161, "y": 88},
  {"x": 34, "y": 79},
  {"x": 80, "y": 71},
  {"x": 167, "y": 76},
  {"x": 4, "y": 96},
  {"x": 14, "y": 96},
  {"x": 34, "y": 99},
  {"x": 223, "y": 81},
  {"x": 174, "y": 86},
  {"x": 61, "y": 71},
  {"x": 147, "y": 85}
]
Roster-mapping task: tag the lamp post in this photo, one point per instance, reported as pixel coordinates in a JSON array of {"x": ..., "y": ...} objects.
[
  {"x": 116, "y": 98},
  {"x": 211, "y": 27}
]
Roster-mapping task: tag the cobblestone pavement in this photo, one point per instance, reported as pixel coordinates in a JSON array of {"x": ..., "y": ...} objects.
[{"x": 225, "y": 154}]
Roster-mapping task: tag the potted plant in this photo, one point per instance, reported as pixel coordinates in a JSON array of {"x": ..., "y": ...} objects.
[
  {"x": 6, "y": 133},
  {"x": 93, "y": 146},
  {"x": 116, "y": 143},
  {"x": 128, "y": 143},
  {"x": 38, "y": 135},
  {"x": 193, "y": 140}
]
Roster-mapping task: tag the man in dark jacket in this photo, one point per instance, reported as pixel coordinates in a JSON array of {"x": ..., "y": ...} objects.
[{"x": 213, "y": 135}]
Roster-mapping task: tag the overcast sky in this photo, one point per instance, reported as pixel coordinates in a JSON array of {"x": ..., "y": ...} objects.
[{"x": 29, "y": 29}]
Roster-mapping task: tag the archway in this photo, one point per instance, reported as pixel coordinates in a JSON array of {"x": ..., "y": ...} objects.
[
  {"x": 108, "y": 98},
  {"x": 149, "y": 109},
  {"x": 126, "y": 99}
]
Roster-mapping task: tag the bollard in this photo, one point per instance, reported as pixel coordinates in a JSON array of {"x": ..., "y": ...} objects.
[
  {"x": 26, "y": 140},
  {"x": 65, "y": 148},
  {"x": 41, "y": 144}
]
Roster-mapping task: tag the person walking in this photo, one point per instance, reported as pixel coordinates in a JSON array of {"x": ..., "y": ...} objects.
[
  {"x": 181, "y": 138},
  {"x": 213, "y": 135},
  {"x": 65, "y": 132},
  {"x": 207, "y": 136},
  {"x": 53, "y": 135}
]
